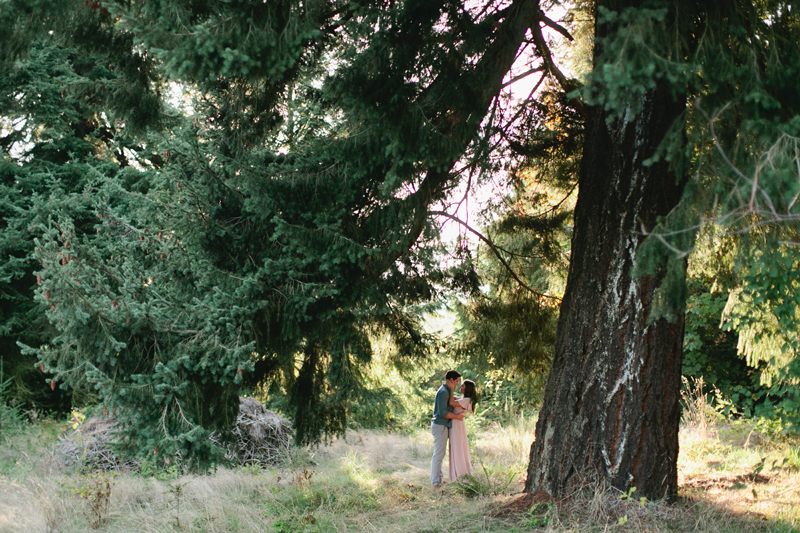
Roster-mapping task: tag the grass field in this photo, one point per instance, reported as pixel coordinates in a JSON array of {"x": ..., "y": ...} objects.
[{"x": 734, "y": 478}]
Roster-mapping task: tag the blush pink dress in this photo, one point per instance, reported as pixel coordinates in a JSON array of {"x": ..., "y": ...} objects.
[{"x": 460, "y": 462}]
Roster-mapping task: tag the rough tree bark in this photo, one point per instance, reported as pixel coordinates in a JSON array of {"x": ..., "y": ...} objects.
[{"x": 610, "y": 409}]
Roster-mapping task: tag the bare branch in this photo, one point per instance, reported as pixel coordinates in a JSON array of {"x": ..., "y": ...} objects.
[
  {"x": 523, "y": 75},
  {"x": 566, "y": 85},
  {"x": 753, "y": 183},
  {"x": 555, "y": 25}
]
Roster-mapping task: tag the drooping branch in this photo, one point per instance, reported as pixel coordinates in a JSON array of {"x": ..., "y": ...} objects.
[{"x": 496, "y": 251}]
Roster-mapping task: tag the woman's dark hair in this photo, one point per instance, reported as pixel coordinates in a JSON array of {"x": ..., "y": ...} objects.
[{"x": 471, "y": 392}]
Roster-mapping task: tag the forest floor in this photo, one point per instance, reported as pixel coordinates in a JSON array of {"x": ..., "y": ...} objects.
[{"x": 733, "y": 478}]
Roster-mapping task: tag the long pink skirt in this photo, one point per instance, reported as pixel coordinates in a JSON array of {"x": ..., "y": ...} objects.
[{"x": 460, "y": 462}]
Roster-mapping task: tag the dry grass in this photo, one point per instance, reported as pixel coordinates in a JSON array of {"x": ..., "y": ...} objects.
[
  {"x": 374, "y": 481},
  {"x": 742, "y": 471}
]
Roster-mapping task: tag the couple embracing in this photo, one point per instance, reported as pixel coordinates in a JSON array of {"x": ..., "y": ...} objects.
[{"x": 448, "y": 424}]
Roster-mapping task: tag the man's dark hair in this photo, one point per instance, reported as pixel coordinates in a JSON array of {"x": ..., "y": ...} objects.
[{"x": 452, "y": 374}]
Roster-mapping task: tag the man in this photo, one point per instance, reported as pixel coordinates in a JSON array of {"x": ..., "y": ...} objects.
[{"x": 441, "y": 423}]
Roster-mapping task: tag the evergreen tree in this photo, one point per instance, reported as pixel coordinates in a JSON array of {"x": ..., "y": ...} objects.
[
  {"x": 264, "y": 244},
  {"x": 60, "y": 106}
]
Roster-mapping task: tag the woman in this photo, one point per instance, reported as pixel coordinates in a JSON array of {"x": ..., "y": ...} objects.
[{"x": 460, "y": 463}]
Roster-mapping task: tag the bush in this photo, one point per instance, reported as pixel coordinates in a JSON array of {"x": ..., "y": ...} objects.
[
  {"x": 710, "y": 354},
  {"x": 94, "y": 489}
]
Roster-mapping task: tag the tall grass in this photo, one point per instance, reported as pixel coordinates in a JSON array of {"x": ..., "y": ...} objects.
[
  {"x": 11, "y": 417},
  {"x": 370, "y": 480},
  {"x": 379, "y": 481}
]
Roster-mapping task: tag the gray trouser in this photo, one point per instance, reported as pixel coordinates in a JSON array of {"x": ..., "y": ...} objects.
[{"x": 440, "y": 434}]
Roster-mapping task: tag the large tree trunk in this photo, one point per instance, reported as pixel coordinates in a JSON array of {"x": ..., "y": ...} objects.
[{"x": 611, "y": 409}]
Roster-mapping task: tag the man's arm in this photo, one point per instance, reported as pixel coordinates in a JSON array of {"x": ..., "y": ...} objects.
[
  {"x": 454, "y": 416},
  {"x": 452, "y": 401}
]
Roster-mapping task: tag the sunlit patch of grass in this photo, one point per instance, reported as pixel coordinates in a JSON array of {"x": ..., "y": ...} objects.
[
  {"x": 741, "y": 466},
  {"x": 793, "y": 457},
  {"x": 356, "y": 467},
  {"x": 509, "y": 440}
]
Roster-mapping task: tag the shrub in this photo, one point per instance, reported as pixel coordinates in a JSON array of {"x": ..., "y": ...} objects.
[
  {"x": 493, "y": 483},
  {"x": 94, "y": 488}
]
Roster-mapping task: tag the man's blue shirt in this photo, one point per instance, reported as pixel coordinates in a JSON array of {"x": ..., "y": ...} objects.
[{"x": 441, "y": 406}]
